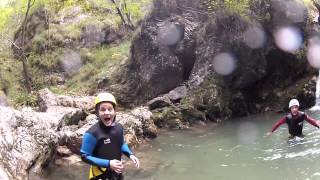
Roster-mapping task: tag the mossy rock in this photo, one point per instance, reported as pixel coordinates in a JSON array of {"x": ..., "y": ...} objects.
[{"x": 168, "y": 117}]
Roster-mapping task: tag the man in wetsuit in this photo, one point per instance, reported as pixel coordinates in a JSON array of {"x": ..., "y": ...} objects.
[
  {"x": 295, "y": 120},
  {"x": 103, "y": 144}
]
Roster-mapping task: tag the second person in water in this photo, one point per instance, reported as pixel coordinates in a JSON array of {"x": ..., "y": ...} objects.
[{"x": 294, "y": 120}]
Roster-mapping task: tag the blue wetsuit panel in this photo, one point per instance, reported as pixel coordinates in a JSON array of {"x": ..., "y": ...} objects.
[
  {"x": 87, "y": 148},
  {"x": 125, "y": 149}
]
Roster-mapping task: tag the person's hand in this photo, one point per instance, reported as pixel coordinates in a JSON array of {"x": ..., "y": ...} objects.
[
  {"x": 116, "y": 165},
  {"x": 268, "y": 134},
  {"x": 135, "y": 160}
]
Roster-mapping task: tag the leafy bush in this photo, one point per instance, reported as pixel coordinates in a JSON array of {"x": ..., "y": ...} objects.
[
  {"x": 25, "y": 99},
  {"x": 5, "y": 14}
]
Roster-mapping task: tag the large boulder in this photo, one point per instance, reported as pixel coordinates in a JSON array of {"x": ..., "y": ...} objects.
[
  {"x": 73, "y": 108},
  {"x": 154, "y": 64},
  {"x": 222, "y": 37},
  {"x": 48, "y": 99},
  {"x": 163, "y": 52},
  {"x": 27, "y": 141}
]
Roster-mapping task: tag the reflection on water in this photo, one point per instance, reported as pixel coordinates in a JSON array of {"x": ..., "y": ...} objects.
[{"x": 238, "y": 149}]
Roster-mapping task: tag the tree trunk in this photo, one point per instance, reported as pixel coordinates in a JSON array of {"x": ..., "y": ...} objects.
[
  {"x": 23, "y": 57},
  {"x": 26, "y": 74}
]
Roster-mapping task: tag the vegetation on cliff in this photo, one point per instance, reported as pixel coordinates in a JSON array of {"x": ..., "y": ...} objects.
[{"x": 70, "y": 44}]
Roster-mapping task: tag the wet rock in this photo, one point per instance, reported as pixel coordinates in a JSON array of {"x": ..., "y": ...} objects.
[
  {"x": 159, "y": 102},
  {"x": 170, "y": 117},
  {"x": 177, "y": 93},
  {"x": 63, "y": 151},
  {"x": 174, "y": 96},
  {"x": 71, "y": 136},
  {"x": 69, "y": 160},
  {"x": 148, "y": 126},
  {"x": 131, "y": 139}
]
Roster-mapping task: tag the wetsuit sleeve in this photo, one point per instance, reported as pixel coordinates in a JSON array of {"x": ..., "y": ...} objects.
[
  {"x": 125, "y": 149},
  {"x": 278, "y": 123},
  {"x": 312, "y": 121},
  {"x": 86, "y": 151}
]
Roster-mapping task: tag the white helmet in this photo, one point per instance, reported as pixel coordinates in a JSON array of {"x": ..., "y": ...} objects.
[{"x": 293, "y": 102}]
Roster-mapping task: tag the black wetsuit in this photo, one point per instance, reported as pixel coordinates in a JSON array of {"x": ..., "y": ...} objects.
[
  {"x": 295, "y": 123},
  {"x": 100, "y": 145}
]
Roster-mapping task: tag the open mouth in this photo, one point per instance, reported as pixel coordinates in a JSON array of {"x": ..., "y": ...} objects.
[{"x": 107, "y": 119}]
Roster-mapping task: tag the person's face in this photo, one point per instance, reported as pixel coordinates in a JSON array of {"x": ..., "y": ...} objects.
[
  {"x": 294, "y": 110},
  {"x": 106, "y": 113}
]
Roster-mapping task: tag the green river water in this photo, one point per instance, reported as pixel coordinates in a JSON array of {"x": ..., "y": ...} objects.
[{"x": 237, "y": 149}]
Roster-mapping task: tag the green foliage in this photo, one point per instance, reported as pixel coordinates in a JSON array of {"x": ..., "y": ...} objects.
[
  {"x": 48, "y": 62},
  {"x": 238, "y": 6},
  {"x": 47, "y": 45},
  {"x": 38, "y": 79},
  {"x": 25, "y": 99},
  {"x": 101, "y": 63},
  {"x": 133, "y": 8},
  {"x": 9, "y": 78},
  {"x": 5, "y": 14},
  {"x": 212, "y": 5},
  {"x": 4, "y": 81},
  {"x": 54, "y": 38}
]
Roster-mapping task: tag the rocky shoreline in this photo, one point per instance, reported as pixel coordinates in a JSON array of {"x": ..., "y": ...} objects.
[{"x": 30, "y": 140}]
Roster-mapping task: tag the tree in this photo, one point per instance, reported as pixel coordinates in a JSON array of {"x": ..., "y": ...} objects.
[
  {"x": 20, "y": 49},
  {"x": 124, "y": 12}
]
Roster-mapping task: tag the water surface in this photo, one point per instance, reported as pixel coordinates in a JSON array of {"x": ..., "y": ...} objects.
[{"x": 237, "y": 149}]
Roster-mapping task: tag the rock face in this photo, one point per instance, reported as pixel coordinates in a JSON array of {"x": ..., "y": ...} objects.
[
  {"x": 27, "y": 141},
  {"x": 3, "y": 101},
  {"x": 163, "y": 53},
  {"x": 228, "y": 59}
]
